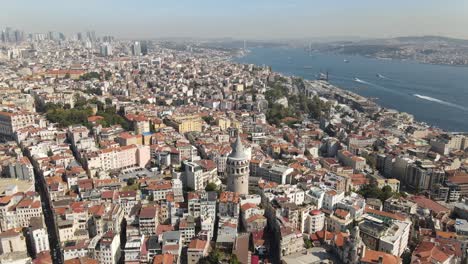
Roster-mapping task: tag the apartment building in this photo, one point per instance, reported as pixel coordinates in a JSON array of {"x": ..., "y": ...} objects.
[
  {"x": 105, "y": 248},
  {"x": 118, "y": 158},
  {"x": 11, "y": 121},
  {"x": 184, "y": 124}
]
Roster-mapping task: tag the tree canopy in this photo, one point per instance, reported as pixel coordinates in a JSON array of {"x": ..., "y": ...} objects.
[
  {"x": 78, "y": 115},
  {"x": 372, "y": 191},
  {"x": 298, "y": 105},
  {"x": 89, "y": 76},
  {"x": 210, "y": 187}
]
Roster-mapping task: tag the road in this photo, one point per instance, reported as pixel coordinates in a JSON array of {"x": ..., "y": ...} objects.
[{"x": 49, "y": 217}]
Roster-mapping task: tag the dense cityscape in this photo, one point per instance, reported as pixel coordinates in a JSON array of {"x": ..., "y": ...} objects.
[
  {"x": 426, "y": 49},
  {"x": 143, "y": 151}
]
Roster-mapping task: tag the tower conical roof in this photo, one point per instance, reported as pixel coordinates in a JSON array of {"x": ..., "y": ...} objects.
[{"x": 238, "y": 151}]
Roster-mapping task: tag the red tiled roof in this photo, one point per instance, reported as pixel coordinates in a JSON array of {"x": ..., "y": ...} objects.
[
  {"x": 229, "y": 197},
  {"x": 255, "y": 218},
  {"x": 95, "y": 118},
  {"x": 248, "y": 206},
  {"x": 429, "y": 252},
  {"x": 148, "y": 212},
  {"x": 163, "y": 228},
  {"x": 429, "y": 204},
  {"x": 399, "y": 217},
  {"x": 341, "y": 213},
  {"x": 163, "y": 259},
  {"x": 372, "y": 256},
  {"x": 197, "y": 244}
]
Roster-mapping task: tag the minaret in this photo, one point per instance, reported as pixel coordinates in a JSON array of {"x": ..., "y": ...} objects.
[{"x": 237, "y": 166}]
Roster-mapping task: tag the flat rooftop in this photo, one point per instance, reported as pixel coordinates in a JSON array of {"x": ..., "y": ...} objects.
[
  {"x": 21, "y": 186},
  {"x": 313, "y": 256}
]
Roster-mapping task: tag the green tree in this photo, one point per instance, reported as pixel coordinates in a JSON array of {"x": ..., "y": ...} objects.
[
  {"x": 208, "y": 119},
  {"x": 234, "y": 259},
  {"x": 386, "y": 193},
  {"x": 307, "y": 243},
  {"x": 108, "y": 75},
  {"x": 80, "y": 101},
  {"x": 372, "y": 191},
  {"x": 89, "y": 76},
  {"x": 210, "y": 187},
  {"x": 406, "y": 257},
  {"x": 213, "y": 258},
  {"x": 130, "y": 181}
]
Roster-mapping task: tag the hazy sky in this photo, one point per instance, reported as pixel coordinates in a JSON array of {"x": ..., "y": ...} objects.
[{"x": 261, "y": 19}]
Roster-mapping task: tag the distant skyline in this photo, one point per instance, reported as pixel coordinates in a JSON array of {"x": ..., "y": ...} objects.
[{"x": 241, "y": 19}]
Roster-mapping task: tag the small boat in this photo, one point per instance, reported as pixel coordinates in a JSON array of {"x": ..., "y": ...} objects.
[
  {"x": 346, "y": 61},
  {"x": 323, "y": 76},
  {"x": 380, "y": 76}
]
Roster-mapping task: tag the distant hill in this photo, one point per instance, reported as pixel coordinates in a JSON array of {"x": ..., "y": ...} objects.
[{"x": 424, "y": 39}]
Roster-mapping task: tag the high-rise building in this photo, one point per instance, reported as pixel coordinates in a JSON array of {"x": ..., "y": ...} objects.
[
  {"x": 237, "y": 167},
  {"x": 91, "y": 35},
  {"x": 55, "y": 36},
  {"x": 108, "y": 39},
  {"x": 10, "y": 35},
  {"x": 106, "y": 49},
  {"x": 144, "y": 47},
  {"x": 136, "y": 48}
]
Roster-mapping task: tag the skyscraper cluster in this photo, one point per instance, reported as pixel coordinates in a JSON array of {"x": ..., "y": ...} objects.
[{"x": 10, "y": 35}]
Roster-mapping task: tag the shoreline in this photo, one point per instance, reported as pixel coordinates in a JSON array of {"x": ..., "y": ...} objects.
[
  {"x": 408, "y": 60},
  {"x": 349, "y": 92}
]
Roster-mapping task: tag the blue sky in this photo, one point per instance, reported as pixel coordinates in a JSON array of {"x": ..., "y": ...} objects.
[{"x": 261, "y": 19}]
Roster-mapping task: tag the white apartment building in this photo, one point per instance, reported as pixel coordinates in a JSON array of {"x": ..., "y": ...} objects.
[
  {"x": 38, "y": 236},
  {"x": 10, "y": 122},
  {"x": 106, "y": 248},
  {"x": 17, "y": 210},
  {"x": 314, "y": 221},
  {"x": 118, "y": 158},
  {"x": 194, "y": 176},
  {"x": 12, "y": 240},
  {"x": 331, "y": 198},
  {"x": 396, "y": 238}
]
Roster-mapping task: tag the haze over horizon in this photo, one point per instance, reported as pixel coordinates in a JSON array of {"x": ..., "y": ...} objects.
[{"x": 258, "y": 19}]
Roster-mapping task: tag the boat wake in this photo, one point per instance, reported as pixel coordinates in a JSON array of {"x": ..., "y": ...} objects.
[
  {"x": 382, "y": 76},
  {"x": 432, "y": 99},
  {"x": 361, "y": 81}
]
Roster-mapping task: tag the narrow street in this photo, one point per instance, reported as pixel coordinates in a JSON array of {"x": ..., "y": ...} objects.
[{"x": 49, "y": 218}]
